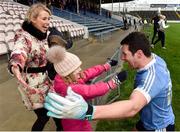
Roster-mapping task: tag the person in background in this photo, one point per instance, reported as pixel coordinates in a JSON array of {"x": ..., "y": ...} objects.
[
  {"x": 28, "y": 63},
  {"x": 151, "y": 97},
  {"x": 69, "y": 73},
  {"x": 135, "y": 25},
  {"x": 155, "y": 20},
  {"x": 161, "y": 31},
  {"x": 125, "y": 22}
]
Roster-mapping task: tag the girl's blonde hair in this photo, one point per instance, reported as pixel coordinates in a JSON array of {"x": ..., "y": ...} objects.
[{"x": 34, "y": 10}]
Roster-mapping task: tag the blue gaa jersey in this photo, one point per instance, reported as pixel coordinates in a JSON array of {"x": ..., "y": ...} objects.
[{"x": 154, "y": 82}]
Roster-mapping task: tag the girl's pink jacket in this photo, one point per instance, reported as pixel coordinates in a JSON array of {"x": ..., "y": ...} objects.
[{"x": 87, "y": 91}]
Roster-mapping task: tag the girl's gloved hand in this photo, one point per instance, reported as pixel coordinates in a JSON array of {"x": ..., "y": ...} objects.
[
  {"x": 73, "y": 106},
  {"x": 120, "y": 77},
  {"x": 112, "y": 62}
]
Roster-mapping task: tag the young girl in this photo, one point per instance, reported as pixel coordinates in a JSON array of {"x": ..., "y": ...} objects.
[{"x": 69, "y": 73}]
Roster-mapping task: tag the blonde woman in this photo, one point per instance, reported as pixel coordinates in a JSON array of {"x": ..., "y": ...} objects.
[{"x": 28, "y": 63}]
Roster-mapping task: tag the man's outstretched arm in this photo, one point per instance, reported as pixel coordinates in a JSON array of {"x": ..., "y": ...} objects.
[{"x": 121, "y": 109}]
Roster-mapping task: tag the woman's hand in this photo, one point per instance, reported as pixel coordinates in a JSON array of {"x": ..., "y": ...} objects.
[
  {"x": 26, "y": 87},
  {"x": 30, "y": 90},
  {"x": 17, "y": 73}
]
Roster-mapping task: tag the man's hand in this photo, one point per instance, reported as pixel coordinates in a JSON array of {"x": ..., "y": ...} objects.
[{"x": 72, "y": 107}]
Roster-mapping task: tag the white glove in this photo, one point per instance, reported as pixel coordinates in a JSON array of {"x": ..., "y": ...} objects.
[{"x": 73, "y": 106}]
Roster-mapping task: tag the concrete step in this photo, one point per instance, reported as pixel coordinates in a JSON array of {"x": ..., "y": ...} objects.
[
  {"x": 79, "y": 44},
  {"x": 4, "y": 74}
]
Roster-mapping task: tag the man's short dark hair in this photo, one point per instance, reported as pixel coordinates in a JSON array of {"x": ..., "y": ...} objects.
[{"x": 137, "y": 41}]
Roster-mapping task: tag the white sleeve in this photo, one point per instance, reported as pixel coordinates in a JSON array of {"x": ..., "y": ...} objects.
[
  {"x": 146, "y": 95},
  {"x": 163, "y": 24}
]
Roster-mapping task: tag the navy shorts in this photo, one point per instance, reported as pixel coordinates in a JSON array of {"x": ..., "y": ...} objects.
[{"x": 140, "y": 127}]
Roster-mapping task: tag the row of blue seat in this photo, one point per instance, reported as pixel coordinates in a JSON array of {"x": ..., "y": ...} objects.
[{"x": 97, "y": 25}]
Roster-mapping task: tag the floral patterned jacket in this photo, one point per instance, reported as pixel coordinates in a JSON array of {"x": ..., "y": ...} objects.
[{"x": 28, "y": 51}]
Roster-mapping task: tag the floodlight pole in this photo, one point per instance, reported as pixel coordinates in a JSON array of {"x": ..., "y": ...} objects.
[
  {"x": 112, "y": 6},
  {"x": 77, "y": 3},
  {"x": 119, "y": 7},
  {"x": 100, "y": 10}
]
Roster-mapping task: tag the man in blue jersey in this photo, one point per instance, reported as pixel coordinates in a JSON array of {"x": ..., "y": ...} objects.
[{"x": 151, "y": 96}]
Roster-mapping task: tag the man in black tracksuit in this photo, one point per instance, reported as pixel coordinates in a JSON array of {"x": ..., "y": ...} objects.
[{"x": 156, "y": 26}]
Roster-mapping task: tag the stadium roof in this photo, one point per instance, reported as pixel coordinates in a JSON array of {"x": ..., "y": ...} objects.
[{"x": 114, "y": 1}]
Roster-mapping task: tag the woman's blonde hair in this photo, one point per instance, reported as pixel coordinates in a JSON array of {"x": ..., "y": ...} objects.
[{"x": 34, "y": 10}]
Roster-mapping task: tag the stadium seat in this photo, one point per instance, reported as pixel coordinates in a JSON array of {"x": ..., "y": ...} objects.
[{"x": 3, "y": 48}]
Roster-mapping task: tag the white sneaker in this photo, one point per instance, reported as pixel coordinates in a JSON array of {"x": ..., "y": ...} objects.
[
  {"x": 164, "y": 47},
  {"x": 152, "y": 46}
]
